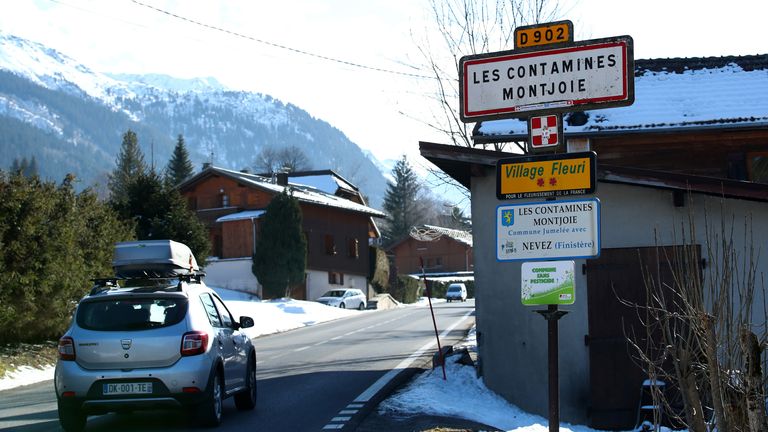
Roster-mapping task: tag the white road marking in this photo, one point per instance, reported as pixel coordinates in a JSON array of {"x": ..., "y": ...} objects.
[{"x": 366, "y": 395}]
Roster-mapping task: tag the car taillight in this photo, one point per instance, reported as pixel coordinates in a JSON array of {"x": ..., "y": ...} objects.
[
  {"x": 66, "y": 348},
  {"x": 193, "y": 343}
]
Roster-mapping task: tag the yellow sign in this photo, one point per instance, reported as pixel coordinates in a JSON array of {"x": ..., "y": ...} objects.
[
  {"x": 546, "y": 176},
  {"x": 544, "y": 34}
]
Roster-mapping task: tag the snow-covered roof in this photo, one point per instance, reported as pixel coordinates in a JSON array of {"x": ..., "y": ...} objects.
[
  {"x": 304, "y": 193},
  {"x": 458, "y": 235},
  {"x": 249, "y": 214},
  {"x": 326, "y": 181},
  {"x": 671, "y": 94}
]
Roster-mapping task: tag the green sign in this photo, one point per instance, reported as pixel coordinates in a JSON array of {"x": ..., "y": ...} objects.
[{"x": 547, "y": 283}]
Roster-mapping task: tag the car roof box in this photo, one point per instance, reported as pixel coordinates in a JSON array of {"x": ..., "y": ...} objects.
[{"x": 153, "y": 258}]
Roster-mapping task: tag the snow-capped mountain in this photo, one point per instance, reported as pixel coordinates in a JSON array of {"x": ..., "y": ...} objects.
[{"x": 71, "y": 119}]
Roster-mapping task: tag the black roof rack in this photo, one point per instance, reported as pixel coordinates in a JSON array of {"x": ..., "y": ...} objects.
[{"x": 106, "y": 284}]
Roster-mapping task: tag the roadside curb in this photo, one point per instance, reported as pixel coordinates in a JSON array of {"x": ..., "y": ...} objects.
[{"x": 402, "y": 378}]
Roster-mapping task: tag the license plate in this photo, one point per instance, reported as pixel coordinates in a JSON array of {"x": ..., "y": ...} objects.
[{"x": 127, "y": 388}]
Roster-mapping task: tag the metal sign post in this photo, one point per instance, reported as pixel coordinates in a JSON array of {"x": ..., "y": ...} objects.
[
  {"x": 429, "y": 235},
  {"x": 432, "y": 311},
  {"x": 552, "y": 315}
]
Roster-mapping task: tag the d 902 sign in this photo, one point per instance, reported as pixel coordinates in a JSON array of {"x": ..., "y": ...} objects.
[{"x": 544, "y": 34}]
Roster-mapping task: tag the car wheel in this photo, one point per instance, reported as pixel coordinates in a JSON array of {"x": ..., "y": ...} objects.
[
  {"x": 246, "y": 400},
  {"x": 342, "y": 305},
  {"x": 362, "y": 306},
  {"x": 209, "y": 412},
  {"x": 71, "y": 418}
]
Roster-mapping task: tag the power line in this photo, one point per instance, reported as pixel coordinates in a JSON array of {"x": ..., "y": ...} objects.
[{"x": 284, "y": 47}]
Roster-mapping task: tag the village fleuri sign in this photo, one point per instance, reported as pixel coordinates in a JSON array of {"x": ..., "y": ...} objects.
[{"x": 546, "y": 176}]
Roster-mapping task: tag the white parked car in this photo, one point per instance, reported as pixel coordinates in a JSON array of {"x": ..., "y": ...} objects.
[
  {"x": 345, "y": 298},
  {"x": 456, "y": 291}
]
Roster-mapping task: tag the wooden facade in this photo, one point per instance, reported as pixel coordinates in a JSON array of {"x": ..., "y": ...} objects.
[
  {"x": 230, "y": 204},
  {"x": 735, "y": 154},
  {"x": 444, "y": 255}
]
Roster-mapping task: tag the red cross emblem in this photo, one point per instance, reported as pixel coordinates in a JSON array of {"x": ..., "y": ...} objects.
[{"x": 544, "y": 131}]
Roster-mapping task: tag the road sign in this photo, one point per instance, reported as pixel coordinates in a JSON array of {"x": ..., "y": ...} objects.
[
  {"x": 547, "y": 282},
  {"x": 580, "y": 76},
  {"x": 548, "y": 230},
  {"x": 544, "y": 34},
  {"x": 546, "y": 132},
  {"x": 546, "y": 176}
]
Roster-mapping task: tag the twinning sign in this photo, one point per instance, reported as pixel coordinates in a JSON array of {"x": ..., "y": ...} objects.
[{"x": 548, "y": 230}]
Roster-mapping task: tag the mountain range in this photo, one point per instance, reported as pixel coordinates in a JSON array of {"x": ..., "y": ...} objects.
[{"x": 71, "y": 119}]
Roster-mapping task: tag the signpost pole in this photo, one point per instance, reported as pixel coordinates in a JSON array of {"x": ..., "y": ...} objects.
[
  {"x": 434, "y": 323},
  {"x": 552, "y": 315}
]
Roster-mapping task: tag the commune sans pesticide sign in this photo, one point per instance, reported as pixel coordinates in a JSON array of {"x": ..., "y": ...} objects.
[
  {"x": 548, "y": 230},
  {"x": 547, "y": 283},
  {"x": 584, "y": 75}
]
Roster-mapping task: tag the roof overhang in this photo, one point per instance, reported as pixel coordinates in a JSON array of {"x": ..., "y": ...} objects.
[{"x": 462, "y": 163}]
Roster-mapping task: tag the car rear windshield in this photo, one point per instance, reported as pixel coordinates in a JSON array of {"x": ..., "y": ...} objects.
[
  {"x": 454, "y": 288},
  {"x": 119, "y": 314}
]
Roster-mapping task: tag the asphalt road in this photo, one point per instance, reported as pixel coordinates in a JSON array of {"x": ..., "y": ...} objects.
[{"x": 324, "y": 377}]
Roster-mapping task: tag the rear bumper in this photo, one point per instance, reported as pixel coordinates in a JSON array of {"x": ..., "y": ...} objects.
[
  {"x": 82, "y": 388},
  {"x": 99, "y": 406}
]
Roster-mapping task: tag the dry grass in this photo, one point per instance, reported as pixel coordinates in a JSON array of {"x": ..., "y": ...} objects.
[{"x": 14, "y": 356}]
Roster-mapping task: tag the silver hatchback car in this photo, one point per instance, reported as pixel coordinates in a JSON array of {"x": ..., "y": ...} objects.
[{"x": 153, "y": 343}]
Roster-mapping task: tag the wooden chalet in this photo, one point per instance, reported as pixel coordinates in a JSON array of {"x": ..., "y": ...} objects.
[
  {"x": 449, "y": 253},
  {"x": 337, "y": 223}
]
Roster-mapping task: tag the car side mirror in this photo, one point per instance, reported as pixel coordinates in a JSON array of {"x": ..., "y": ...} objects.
[{"x": 246, "y": 321}]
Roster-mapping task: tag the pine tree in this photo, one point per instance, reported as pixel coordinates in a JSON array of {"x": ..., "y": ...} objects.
[
  {"x": 159, "y": 212},
  {"x": 280, "y": 260},
  {"x": 31, "y": 170},
  {"x": 179, "y": 167},
  {"x": 401, "y": 202},
  {"x": 130, "y": 163}
]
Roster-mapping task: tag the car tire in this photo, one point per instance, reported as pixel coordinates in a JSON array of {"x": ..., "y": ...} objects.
[
  {"x": 246, "y": 400},
  {"x": 342, "y": 305},
  {"x": 361, "y": 306},
  {"x": 210, "y": 412},
  {"x": 71, "y": 418}
]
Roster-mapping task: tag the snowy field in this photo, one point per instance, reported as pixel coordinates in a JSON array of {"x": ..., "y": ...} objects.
[{"x": 462, "y": 395}]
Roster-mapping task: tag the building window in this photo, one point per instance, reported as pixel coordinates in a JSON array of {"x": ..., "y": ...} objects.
[
  {"x": 335, "y": 278},
  {"x": 224, "y": 200},
  {"x": 353, "y": 248},
  {"x": 330, "y": 245},
  {"x": 757, "y": 166},
  {"x": 438, "y": 262}
]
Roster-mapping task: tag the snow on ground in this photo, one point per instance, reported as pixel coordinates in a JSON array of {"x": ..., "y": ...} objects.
[{"x": 462, "y": 395}]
